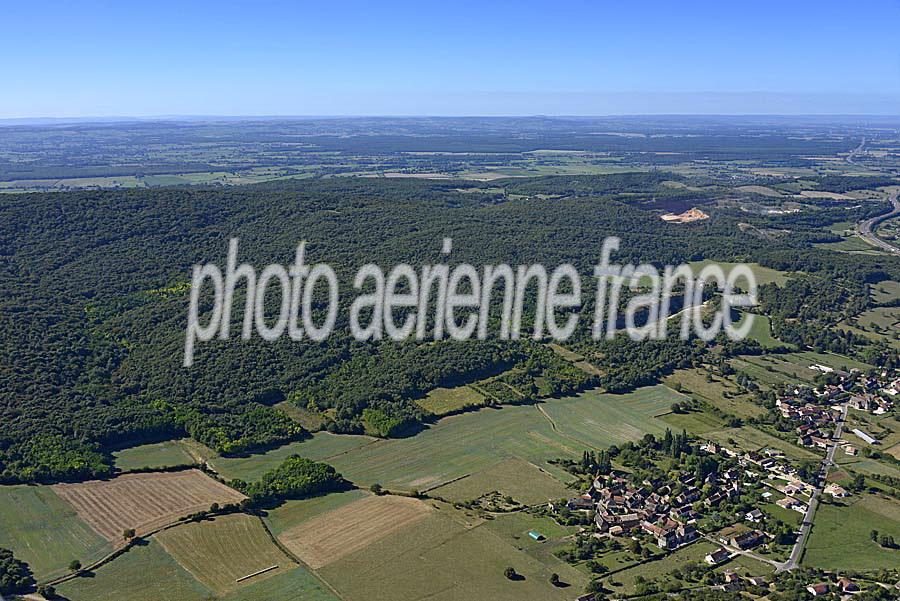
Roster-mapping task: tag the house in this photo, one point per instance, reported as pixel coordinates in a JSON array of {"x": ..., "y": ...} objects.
[
  {"x": 748, "y": 540},
  {"x": 835, "y": 491},
  {"x": 755, "y": 516},
  {"x": 666, "y": 535},
  {"x": 861, "y": 401},
  {"x": 582, "y": 503},
  {"x": 757, "y": 581},
  {"x": 717, "y": 556},
  {"x": 787, "y": 502},
  {"x": 847, "y": 586},
  {"x": 817, "y": 590}
]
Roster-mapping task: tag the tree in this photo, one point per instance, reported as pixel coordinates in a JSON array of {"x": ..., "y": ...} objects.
[
  {"x": 510, "y": 573},
  {"x": 886, "y": 541},
  {"x": 554, "y": 579},
  {"x": 128, "y": 533},
  {"x": 74, "y": 566},
  {"x": 376, "y": 489},
  {"x": 15, "y": 575},
  {"x": 46, "y": 591},
  {"x": 873, "y": 535}
]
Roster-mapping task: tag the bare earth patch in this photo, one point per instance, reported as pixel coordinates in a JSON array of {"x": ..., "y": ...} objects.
[
  {"x": 326, "y": 538},
  {"x": 686, "y": 217},
  {"x": 143, "y": 501}
]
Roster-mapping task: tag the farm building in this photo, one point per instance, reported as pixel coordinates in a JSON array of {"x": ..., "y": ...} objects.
[{"x": 865, "y": 437}]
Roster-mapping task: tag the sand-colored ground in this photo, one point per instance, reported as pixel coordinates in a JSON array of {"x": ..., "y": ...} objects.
[
  {"x": 340, "y": 532},
  {"x": 143, "y": 501}
]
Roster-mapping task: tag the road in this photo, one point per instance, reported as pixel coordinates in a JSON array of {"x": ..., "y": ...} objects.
[
  {"x": 865, "y": 228},
  {"x": 797, "y": 552},
  {"x": 858, "y": 150},
  {"x": 736, "y": 551}
]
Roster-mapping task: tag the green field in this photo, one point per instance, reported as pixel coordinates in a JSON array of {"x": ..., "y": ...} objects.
[
  {"x": 294, "y": 585},
  {"x": 840, "y": 535},
  {"x": 764, "y": 372},
  {"x": 694, "y": 383},
  {"x": 442, "y": 401},
  {"x": 514, "y": 477},
  {"x": 293, "y": 512},
  {"x": 761, "y": 331},
  {"x": 44, "y": 531},
  {"x": 696, "y": 422},
  {"x": 748, "y": 438},
  {"x": 440, "y": 559},
  {"x": 222, "y": 550},
  {"x": 159, "y": 455},
  {"x": 792, "y": 368},
  {"x": 764, "y": 275},
  {"x": 880, "y": 319},
  {"x": 322, "y": 446},
  {"x": 144, "y": 573},
  {"x": 848, "y": 244},
  {"x": 659, "y": 568},
  {"x": 465, "y": 444},
  {"x": 886, "y": 291},
  {"x": 602, "y": 419}
]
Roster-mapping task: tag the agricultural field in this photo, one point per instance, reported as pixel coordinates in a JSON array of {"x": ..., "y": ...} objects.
[
  {"x": 764, "y": 275},
  {"x": 465, "y": 444},
  {"x": 143, "y": 501},
  {"x": 695, "y": 422},
  {"x": 880, "y": 319},
  {"x": 442, "y": 401},
  {"x": 792, "y": 368},
  {"x": 154, "y": 456},
  {"x": 598, "y": 419},
  {"x": 840, "y": 535},
  {"x": 45, "y": 531},
  {"x": 144, "y": 573},
  {"x": 322, "y": 446},
  {"x": 722, "y": 392},
  {"x": 298, "y": 584},
  {"x": 624, "y": 581},
  {"x": 225, "y": 549},
  {"x": 514, "y": 477},
  {"x": 748, "y": 438},
  {"x": 294, "y": 511},
  {"x": 442, "y": 558},
  {"x": 328, "y": 537},
  {"x": 886, "y": 291},
  {"x": 514, "y": 528},
  {"x": 761, "y": 331}
]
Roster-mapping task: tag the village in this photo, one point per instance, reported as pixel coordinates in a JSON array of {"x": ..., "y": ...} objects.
[{"x": 686, "y": 502}]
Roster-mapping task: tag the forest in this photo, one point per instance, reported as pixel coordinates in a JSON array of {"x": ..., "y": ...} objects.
[{"x": 93, "y": 315}]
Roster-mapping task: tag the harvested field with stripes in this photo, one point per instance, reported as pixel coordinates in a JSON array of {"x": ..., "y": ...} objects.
[
  {"x": 143, "y": 501},
  {"x": 227, "y": 552},
  {"x": 338, "y": 533}
]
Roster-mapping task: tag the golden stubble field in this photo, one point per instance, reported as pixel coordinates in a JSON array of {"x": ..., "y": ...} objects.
[
  {"x": 143, "y": 502},
  {"x": 335, "y": 534}
]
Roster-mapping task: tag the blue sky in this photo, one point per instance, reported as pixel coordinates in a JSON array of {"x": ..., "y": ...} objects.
[{"x": 465, "y": 58}]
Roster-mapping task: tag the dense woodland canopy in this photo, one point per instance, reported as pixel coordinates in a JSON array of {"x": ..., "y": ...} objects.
[{"x": 94, "y": 306}]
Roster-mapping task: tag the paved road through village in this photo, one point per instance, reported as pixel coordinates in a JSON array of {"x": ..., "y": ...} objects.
[{"x": 797, "y": 552}]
